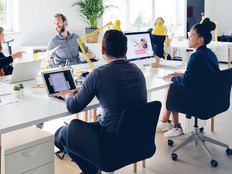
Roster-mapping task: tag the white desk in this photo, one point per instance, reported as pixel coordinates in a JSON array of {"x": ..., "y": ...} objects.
[
  {"x": 34, "y": 108},
  {"x": 212, "y": 45}
]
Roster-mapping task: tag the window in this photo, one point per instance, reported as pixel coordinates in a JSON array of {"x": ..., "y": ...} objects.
[
  {"x": 135, "y": 15},
  {"x": 2, "y": 13},
  {"x": 9, "y": 15},
  {"x": 139, "y": 15},
  {"x": 173, "y": 12}
]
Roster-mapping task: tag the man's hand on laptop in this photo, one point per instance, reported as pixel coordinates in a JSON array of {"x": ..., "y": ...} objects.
[{"x": 68, "y": 93}]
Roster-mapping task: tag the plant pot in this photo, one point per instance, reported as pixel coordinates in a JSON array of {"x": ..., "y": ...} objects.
[
  {"x": 16, "y": 94},
  {"x": 21, "y": 92},
  {"x": 94, "y": 37}
]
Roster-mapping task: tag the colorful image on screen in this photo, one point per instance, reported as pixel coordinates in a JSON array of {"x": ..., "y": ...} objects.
[{"x": 139, "y": 46}]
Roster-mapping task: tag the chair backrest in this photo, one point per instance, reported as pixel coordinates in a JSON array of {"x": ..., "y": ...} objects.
[
  {"x": 135, "y": 139},
  {"x": 202, "y": 104},
  {"x": 222, "y": 93}
]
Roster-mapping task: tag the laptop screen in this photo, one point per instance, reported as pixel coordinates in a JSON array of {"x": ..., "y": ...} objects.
[
  {"x": 58, "y": 81},
  {"x": 139, "y": 46}
]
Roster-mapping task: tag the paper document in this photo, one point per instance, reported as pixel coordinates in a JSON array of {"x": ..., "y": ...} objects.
[
  {"x": 4, "y": 101},
  {"x": 172, "y": 64},
  {"x": 47, "y": 53},
  {"x": 4, "y": 92}
]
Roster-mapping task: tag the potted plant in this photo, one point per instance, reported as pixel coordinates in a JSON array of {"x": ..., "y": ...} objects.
[
  {"x": 21, "y": 89},
  {"x": 16, "y": 91},
  {"x": 91, "y": 11}
]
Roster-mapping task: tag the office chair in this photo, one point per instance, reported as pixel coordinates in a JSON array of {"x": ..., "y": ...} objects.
[
  {"x": 134, "y": 140},
  {"x": 9, "y": 47},
  {"x": 201, "y": 106}
]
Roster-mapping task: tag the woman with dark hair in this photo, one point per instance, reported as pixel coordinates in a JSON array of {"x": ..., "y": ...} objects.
[
  {"x": 5, "y": 67},
  {"x": 198, "y": 77}
]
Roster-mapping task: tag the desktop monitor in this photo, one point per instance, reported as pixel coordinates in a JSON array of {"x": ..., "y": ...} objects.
[{"x": 139, "y": 49}]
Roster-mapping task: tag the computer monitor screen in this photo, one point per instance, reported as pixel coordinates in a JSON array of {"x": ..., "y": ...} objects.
[{"x": 139, "y": 47}]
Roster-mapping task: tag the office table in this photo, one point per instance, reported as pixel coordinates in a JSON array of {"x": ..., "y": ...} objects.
[
  {"x": 212, "y": 45},
  {"x": 34, "y": 108}
]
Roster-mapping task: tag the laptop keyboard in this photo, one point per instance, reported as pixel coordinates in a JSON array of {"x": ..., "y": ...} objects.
[{"x": 60, "y": 98}]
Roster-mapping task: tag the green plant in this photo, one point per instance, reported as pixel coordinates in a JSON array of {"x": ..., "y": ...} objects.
[
  {"x": 91, "y": 11},
  {"x": 16, "y": 88},
  {"x": 21, "y": 86}
]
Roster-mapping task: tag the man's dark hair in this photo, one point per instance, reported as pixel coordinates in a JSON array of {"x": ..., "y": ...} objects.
[
  {"x": 114, "y": 43},
  {"x": 61, "y": 15}
]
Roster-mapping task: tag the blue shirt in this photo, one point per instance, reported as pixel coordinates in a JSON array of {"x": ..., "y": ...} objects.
[
  {"x": 68, "y": 50},
  {"x": 201, "y": 69},
  {"x": 117, "y": 85}
]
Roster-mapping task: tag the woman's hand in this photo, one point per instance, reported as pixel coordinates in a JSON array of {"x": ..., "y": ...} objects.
[
  {"x": 177, "y": 74},
  {"x": 170, "y": 76},
  {"x": 17, "y": 55}
]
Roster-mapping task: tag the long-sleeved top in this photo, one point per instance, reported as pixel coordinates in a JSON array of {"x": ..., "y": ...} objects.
[
  {"x": 117, "y": 85},
  {"x": 68, "y": 50},
  {"x": 201, "y": 69},
  {"x": 5, "y": 64}
]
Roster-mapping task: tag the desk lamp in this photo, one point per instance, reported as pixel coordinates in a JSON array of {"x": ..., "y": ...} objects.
[
  {"x": 216, "y": 29},
  {"x": 160, "y": 30},
  {"x": 80, "y": 41},
  {"x": 117, "y": 25}
]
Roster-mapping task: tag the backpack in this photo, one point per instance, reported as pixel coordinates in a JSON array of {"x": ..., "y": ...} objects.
[{"x": 59, "y": 145}]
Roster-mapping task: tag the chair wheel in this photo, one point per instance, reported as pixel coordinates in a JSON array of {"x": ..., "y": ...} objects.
[
  {"x": 229, "y": 151},
  {"x": 170, "y": 142},
  {"x": 201, "y": 129},
  {"x": 214, "y": 163},
  {"x": 174, "y": 156}
]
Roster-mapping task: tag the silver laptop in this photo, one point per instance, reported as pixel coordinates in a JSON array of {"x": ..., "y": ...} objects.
[
  {"x": 24, "y": 71},
  {"x": 57, "y": 80}
]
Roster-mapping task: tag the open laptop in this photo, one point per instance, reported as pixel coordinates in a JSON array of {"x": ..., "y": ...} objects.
[
  {"x": 24, "y": 71},
  {"x": 57, "y": 80},
  {"x": 139, "y": 49}
]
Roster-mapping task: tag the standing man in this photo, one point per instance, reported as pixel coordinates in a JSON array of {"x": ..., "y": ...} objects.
[
  {"x": 117, "y": 85},
  {"x": 69, "y": 48}
]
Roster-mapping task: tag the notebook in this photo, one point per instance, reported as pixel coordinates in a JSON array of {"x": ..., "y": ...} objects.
[
  {"x": 56, "y": 81},
  {"x": 24, "y": 71}
]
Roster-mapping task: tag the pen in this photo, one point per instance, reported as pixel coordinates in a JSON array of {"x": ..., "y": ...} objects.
[
  {"x": 69, "y": 66},
  {"x": 66, "y": 63}
]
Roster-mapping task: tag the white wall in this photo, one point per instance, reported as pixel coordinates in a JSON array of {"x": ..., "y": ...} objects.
[
  {"x": 36, "y": 21},
  {"x": 220, "y": 11}
]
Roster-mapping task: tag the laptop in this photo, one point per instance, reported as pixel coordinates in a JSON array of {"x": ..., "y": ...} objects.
[
  {"x": 139, "y": 48},
  {"x": 56, "y": 81},
  {"x": 24, "y": 71}
]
